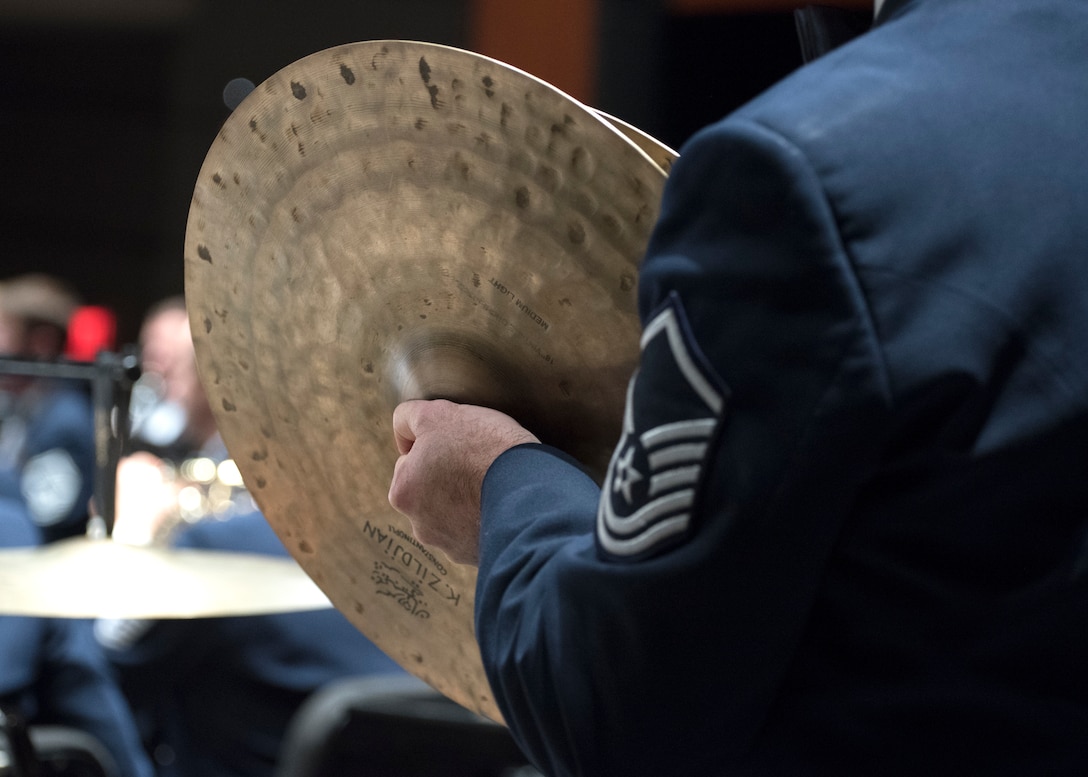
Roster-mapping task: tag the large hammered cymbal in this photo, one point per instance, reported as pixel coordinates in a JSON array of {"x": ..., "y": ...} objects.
[{"x": 391, "y": 220}]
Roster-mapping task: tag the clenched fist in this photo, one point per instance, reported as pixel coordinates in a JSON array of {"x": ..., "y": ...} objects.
[{"x": 445, "y": 451}]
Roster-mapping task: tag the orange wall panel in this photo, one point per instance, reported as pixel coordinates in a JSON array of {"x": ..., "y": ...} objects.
[{"x": 554, "y": 40}]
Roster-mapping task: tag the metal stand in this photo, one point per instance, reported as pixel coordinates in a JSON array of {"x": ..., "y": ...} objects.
[{"x": 111, "y": 376}]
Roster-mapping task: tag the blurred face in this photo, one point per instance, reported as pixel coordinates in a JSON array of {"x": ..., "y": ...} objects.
[
  {"x": 11, "y": 335},
  {"x": 166, "y": 347}
]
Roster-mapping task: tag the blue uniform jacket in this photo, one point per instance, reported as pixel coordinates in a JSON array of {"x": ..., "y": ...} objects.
[
  {"x": 846, "y": 528},
  {"x": 219, "y": 692},
  {"x": 55, "y": 465},
  {"x": 55, "y": 672}
]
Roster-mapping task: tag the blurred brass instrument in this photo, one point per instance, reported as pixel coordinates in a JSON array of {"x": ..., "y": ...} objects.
[
  {"x": 157, "y": 497},
  {"x": 209, "y": 489}
]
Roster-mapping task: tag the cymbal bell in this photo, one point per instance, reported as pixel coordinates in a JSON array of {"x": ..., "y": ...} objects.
[
  {"x": 391, "y": 220},
  {"x": 101, "y": 578}
]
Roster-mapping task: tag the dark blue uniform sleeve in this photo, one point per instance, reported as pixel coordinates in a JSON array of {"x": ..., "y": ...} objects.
[{"x": 625, "y": 629}]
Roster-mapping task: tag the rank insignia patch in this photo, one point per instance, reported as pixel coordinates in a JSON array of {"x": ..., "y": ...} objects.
[{"x": 675, "y": 404}]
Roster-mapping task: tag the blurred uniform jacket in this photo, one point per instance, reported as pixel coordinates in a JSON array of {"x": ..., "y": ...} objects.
[
  {"x": 47, "y": 440},
  {"x": 55, "y": 672},
  {"x": 845, "y": 530},
  {"x": 216, "y": 694}
]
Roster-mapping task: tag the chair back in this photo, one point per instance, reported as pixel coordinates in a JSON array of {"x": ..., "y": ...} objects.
[
  {"x": 394, "y": 726},
  {"x": 50, "y": 751}
]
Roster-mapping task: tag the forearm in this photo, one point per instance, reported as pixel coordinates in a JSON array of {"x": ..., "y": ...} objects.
[
  {"x": 586, "y": 658},
  {"x": 530, "y": 527}
]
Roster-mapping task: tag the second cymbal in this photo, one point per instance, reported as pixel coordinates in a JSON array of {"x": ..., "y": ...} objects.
[{"x": 100, "y": 578}]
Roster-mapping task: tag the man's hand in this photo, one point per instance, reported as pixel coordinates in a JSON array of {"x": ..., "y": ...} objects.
[{"x": 445, "y": 451}]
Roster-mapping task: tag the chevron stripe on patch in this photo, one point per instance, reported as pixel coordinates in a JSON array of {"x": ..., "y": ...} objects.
[{"x": 675, "y": 403}]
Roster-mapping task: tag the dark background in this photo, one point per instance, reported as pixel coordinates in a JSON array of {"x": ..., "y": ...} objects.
[{"x": 107, "y": 108}]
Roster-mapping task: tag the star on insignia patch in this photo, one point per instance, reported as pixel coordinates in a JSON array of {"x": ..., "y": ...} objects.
[{"x": 675, "y": 404}]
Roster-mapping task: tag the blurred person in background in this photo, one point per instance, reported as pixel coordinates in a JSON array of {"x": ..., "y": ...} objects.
[
  {"x": 173, "y": 433},
  {"x": 170, "y": 412},
  {"x": 46, "y": 425}
]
